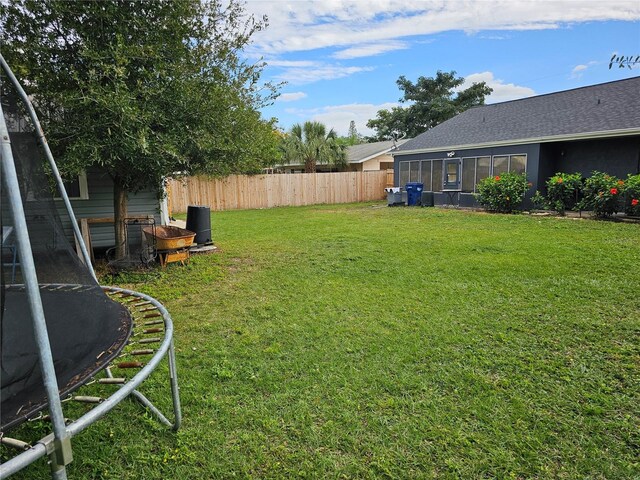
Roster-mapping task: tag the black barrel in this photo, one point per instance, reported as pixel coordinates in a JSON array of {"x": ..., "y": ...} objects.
[{"x": 199, "y": 222}]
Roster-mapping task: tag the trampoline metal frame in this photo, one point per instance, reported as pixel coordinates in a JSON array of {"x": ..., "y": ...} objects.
[
  {"x": 45, "y": 445},
  {"x": 57, "y": 445}
]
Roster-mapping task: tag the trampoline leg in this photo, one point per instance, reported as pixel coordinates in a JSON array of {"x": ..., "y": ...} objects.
[
  {"x": 58, "y": 472},
  {"x": 147, "y": 404},
  {"x": 60, "y": 455},
  {"x": 175, "y": 390},
  {"x": 175, "y": 395}
]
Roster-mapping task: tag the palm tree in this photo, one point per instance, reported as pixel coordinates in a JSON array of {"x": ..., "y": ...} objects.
[{"x": 310, "y": 143}]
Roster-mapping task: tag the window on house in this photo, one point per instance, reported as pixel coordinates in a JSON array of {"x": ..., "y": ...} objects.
[
  {"x": 500, "y": 164},
  {"x": 452, "y": 174},
  {"x": 483, "y": 168},
  {"x": 426, "y": 175},
  {"x": 518, "y": 164},
  {"x": 76, "y": 188},
  {"x": 468, "y": 174},
  {"x": 465, "y": 173},
  {"x": 437, "y": 175},
  {"x": 404, "y": 174},
  {"x": 414, "y": 171}
]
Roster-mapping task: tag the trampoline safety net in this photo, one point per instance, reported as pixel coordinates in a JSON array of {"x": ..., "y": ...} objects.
[{"x": 86, "y": 328}]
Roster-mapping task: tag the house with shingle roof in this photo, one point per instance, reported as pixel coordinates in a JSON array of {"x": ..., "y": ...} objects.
[
  {"x": 364, "y": 157},
  {"x": 579, "y": 130},
  {"x": 372, "y": 156}
]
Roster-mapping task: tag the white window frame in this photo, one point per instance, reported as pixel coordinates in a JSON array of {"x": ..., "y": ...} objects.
[
  {"x": 491, "y": 157},
  {"x": 509, "y": 155},
  {"x": 526, "y": 160},
  {"x": 82, "y": 184}
]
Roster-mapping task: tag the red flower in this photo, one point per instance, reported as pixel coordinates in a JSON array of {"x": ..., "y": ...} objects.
[
  {"x": 620, "y": 182},
  {"x": 497, "y": 178},
  {"x": 635, "y": 202},
  {"x": 559, "y": 180},
  {"x": 614, "y": 191}
]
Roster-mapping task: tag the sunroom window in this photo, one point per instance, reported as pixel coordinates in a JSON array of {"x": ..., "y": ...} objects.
[
  {"x": 500, "y": 164},
  {"x": 403, "y": 174},
  {"x": 426, "y": 175}
]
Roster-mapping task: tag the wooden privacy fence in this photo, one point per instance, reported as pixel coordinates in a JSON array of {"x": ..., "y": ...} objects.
[{"x": 276, "y": 190}]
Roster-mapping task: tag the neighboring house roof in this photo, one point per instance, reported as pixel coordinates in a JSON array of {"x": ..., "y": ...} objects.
[
  {"x": 362, "y": 152},
  {"x": 605, "y": 110},
  {"x": 366, "y": 151}
]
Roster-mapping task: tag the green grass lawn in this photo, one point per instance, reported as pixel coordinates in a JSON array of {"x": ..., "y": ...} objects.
[{"x": 362, "y": 341}]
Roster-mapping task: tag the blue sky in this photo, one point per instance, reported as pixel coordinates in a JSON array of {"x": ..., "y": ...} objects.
[{"x": 341, "y": 59}]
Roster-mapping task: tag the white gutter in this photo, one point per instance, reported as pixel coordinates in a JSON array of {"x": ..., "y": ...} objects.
[{"x": 524, "y": 141}]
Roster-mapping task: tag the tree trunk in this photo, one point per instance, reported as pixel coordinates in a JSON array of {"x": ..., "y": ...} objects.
[
  {"x": 310, "y": 166},
  {"x": 119, "y": 214}
]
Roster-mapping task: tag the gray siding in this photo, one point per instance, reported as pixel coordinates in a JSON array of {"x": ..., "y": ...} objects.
[{"x": 100, "y": 204}]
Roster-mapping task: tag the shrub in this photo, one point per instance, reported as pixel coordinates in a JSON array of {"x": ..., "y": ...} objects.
[
  {"x": 539, "y": 201},
  {"x": 564, "y": 191},
  {"x": 631, "y": 190},
  {"x": 602, "y": 194},
  {"x": 502, "y": 193}
]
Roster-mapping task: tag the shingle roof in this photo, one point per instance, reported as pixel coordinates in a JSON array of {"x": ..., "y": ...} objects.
[
  {"x": 364, "y": 151},
  {"x": 581, "y": 111}
]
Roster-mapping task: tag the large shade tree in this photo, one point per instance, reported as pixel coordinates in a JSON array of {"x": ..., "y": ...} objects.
[
  {"x": 431, "y": 101},
  {"x": 311, "y": 144},
  {"x": 142, "y": 89}
]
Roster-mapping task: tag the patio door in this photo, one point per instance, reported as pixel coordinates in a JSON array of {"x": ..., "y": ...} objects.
[{"x": 451, "y": 177}]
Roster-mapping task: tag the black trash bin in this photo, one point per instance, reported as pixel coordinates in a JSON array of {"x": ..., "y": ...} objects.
[
  {"x": 414, "y": 192},
  {"x": 427, "y": 199},
  {"x": 199, "y": 222}
]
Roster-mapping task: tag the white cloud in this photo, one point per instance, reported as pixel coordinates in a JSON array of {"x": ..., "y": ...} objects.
[
  {"x": 299, "y": 76},
  {"x": 502, "y": 92},
  {"x": 495, "y": 37},
  {"x": 309, "y": 25},
  {"x": 578, "y": 70},
  {"x": 370, "y": 50},
  {"x": 291, "y": 97},
  {"x": 291, "y": 63},
  {"x": 339, "y": 117}
]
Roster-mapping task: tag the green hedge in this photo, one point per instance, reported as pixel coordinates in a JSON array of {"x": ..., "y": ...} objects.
[
  {"x": 564, "y": 191},
  {"x": 503, "y": 193}
]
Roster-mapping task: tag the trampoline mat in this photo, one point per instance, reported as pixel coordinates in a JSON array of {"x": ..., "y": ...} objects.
[{"x": 86, "y": 331}]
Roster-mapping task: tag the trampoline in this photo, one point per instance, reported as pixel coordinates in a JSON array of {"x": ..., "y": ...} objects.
[{"x": 60, "y": 330}]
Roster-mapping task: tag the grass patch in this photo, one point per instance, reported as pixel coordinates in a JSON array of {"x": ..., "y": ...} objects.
[{"x": 361, "y": 341}]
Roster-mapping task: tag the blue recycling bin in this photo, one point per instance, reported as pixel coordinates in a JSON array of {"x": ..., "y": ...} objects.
[{"x": 414, "y": 192}]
